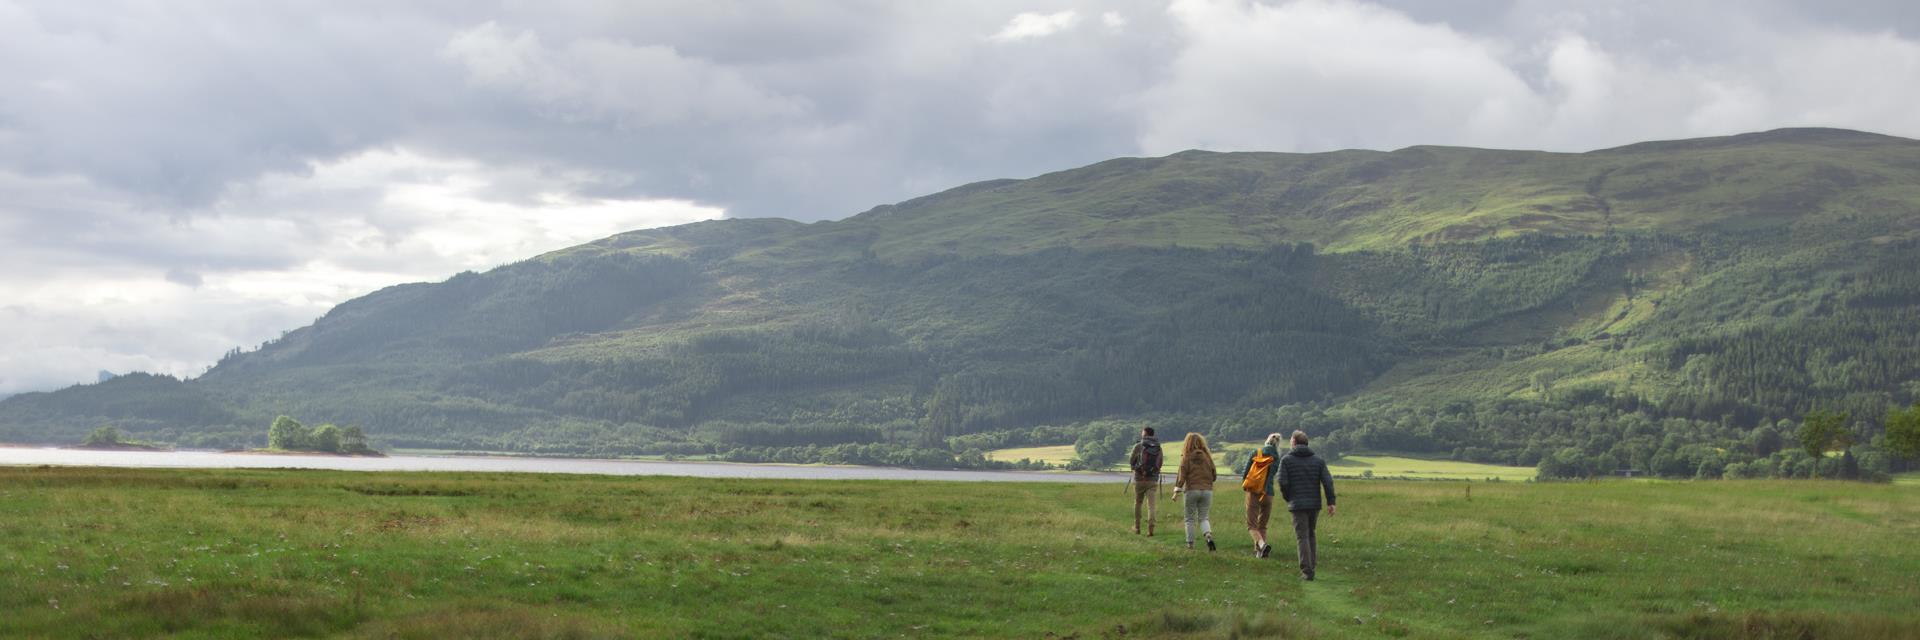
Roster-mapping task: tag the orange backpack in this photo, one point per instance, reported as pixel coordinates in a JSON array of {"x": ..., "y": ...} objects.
[{"x": 1257, "y": 471}]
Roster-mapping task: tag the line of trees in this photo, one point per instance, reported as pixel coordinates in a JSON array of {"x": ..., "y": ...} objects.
[
  {"x": 287, "y": 434},
  {"x": 1765, "y": 453}
]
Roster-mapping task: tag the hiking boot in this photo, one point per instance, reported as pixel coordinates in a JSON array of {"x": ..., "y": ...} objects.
[
  {"x": 1266, "y": 550},
  {"x": 1210, "y": 546},
  {"x": 1136, "y": 529},
  {"x": 1189, "y": 544},
  {"x": 1308, "y": 576}
]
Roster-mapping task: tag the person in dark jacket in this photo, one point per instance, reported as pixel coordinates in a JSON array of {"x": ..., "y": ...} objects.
[
  {"x": 1302, "y": 478},
  {"x": 1145, "y": 461}
]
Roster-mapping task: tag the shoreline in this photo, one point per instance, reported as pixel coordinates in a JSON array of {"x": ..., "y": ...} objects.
[
  {"x": 205, "y": 459},
  {"x": 285, "y": 452}
]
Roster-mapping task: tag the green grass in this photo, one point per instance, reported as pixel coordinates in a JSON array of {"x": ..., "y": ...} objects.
[
  {"x": 244, "y": 553},
  {"x": 1910, "y": 479}
]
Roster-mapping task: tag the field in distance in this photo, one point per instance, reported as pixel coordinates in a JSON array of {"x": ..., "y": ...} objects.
[
  {"x": 1383, "y": 466},
  {"x": 253, "y": 553}
]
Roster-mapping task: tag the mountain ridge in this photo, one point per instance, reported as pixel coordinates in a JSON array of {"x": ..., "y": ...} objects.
[{"x": 1377, "y": 295}]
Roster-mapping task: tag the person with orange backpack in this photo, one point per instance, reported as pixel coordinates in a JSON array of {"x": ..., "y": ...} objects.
[{"x": 1257, "y": 481}]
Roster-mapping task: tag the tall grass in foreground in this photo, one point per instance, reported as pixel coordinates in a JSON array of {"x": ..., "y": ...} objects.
[{"x": 118, "y": 553}]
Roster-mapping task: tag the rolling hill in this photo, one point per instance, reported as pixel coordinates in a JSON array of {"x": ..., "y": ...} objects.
[{"x": 1662, "y": 306}]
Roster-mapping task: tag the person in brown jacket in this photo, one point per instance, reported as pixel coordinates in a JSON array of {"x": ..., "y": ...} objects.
[{"x": 1195, "y": 482}]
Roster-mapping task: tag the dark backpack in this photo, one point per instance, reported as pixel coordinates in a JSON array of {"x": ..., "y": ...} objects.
[{"x": 1149, "y": 464}]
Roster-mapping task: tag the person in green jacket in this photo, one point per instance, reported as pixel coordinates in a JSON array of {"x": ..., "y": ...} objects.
[{"x": 1260, "y": 505}]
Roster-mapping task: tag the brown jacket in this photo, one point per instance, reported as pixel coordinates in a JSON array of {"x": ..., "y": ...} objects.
[{"x": 1196, "y": 472}]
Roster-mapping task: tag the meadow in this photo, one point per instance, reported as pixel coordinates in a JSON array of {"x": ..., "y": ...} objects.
[{"x": 256, "y": 553}]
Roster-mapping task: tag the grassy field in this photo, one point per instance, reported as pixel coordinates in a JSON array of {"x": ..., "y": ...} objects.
[
  {"x": 197, "y": 553},
  {"x": 1384, "y": 466},
  {"x": 1911, "y": 479},
  {"x": 1056, "y": 454}
]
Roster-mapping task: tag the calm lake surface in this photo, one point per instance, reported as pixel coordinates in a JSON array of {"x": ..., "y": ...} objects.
[{"x": 215, "y": 460}]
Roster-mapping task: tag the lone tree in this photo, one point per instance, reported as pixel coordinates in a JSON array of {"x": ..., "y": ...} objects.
[
  {"x": 286, "y": 433},
  {"x": 1903, "y": 432},
  {"x": 1821, "y": 431}
]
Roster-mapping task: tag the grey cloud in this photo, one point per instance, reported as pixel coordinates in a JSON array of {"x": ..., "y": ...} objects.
[
  {"x": 185, "y": 278},
  {"x": 198, "y": 142}
]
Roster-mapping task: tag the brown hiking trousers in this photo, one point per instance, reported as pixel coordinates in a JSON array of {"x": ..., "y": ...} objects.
[{"x": 1259, "y": 510}]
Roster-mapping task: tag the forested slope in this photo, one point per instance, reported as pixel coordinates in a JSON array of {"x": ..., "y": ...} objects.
[{"x": 1662, "y": 299}]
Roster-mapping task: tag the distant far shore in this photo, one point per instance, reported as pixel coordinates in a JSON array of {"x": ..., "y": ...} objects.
[
  {"x": 134, "y": 446},
  {"x": 286, "y": 452},
  {"x": 119, "y": 446}
]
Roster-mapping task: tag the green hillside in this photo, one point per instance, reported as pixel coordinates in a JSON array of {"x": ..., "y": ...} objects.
[{"x": 1662, "y": 306}]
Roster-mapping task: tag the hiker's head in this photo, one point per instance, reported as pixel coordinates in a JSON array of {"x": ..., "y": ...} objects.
[
  {"x": 1147, "y": 432},
  {"x": 1195, "y": 444},
  {"x": 1299, "y": 438},
  {"x": 1273, "y": 440}
]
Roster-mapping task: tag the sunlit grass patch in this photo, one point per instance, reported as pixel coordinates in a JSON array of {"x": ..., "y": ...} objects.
[
  {"x": 1422, "y": 469},
  {"x": 1054, "y": 454}
]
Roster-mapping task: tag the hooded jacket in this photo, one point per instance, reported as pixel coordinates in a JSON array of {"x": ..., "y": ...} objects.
[
  {"x": 1302, "y": 476},
  {"x": 1196, "y": 471}
]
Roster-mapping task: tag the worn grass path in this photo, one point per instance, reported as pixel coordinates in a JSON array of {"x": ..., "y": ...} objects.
[{"x": 240, "y": 553}]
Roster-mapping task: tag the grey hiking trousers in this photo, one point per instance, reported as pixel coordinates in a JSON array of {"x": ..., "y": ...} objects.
[
  {"x": 1199, "y": 508},
  {"x": 1304, "y": 522}
]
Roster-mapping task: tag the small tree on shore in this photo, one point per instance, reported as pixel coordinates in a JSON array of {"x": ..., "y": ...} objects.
[
  {"x": 353, "y": 439},
  {"x": 103, "y": 435},
  {"x": 286, "y": 433},
  {"x": 326, "y": 438}
]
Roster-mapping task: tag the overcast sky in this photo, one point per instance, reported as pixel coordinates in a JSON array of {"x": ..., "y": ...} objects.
[{"x": 180, "y": 178}]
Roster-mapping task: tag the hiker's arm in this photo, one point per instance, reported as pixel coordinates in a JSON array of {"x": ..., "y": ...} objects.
[
  {"x": 1133, "y": 457},
  {"x": 1281, "y": 469},
  {"x": 1326, "y": 481}
]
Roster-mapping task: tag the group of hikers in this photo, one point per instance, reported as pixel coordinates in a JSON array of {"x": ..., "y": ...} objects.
[{"x": 1296, "y": 477}]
